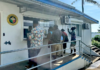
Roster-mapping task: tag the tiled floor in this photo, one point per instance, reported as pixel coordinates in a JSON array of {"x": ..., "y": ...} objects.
[{"x": 21, "y": 65}]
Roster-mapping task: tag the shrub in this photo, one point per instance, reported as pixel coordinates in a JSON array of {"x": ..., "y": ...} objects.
[
  {"x": 97, "y": 38},
  {"x": 92, "y": 39},
  {"x": 98, "y": 45},
  {"x": 96, "y": 41}
]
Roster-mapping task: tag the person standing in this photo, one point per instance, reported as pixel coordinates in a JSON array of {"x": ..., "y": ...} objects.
[
  {"x": 36, "y": 38},
  {"x": 65, "y": 40},
  {"x": 73, "y": 38},
  {"x": 56, "y": 38},
  {"x": 50, "y": 32},
  {"x": 29, "y": 45}
]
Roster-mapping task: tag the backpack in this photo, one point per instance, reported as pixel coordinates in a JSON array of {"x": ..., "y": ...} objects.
[{"x": 66, "y": 37}]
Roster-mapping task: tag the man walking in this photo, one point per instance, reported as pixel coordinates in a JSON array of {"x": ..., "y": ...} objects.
[
  {"x": 56, "y": 38},
  {"x": 36, "y": 38}
]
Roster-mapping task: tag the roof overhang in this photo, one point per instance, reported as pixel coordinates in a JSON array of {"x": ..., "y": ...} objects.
[{"x": 51, "y": 7}]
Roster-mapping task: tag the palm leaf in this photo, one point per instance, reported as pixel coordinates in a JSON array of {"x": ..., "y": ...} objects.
[
  {"x": 74, "y": 2},
  {"x": 90, "y": 1},
  {"x": 94, "y": 2}
]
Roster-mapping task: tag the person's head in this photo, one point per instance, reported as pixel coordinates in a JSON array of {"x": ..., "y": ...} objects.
[
  {"x": 35, "y": 22},
  {"x": 62, "y": 30},
  {"x": 55, "y": 27},
  {"x": 30, "y": 28},
  {"x": 73, "y": 28},
  {"x": 50, "y": 28}
]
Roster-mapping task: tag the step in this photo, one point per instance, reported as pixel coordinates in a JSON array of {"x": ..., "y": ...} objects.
[
  {"x": 94, "y": 48},
  {"x": 97, "y": 50},
  {"x": 94, "y": 51}
]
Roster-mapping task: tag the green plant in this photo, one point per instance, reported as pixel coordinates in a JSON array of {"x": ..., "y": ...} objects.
[
  {"x": 96, "y": 41},
  {"x": 97, "y": 38},
  {"x": 92, "y": 39}
]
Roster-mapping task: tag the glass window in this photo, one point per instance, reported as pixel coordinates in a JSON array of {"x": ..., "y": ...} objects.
[
  {"x": 26, "y": 24},
  {"x": 45, "y": 24}
]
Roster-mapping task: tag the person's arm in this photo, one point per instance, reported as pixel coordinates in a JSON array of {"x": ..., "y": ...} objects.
[{"x": 69, "y": 32}]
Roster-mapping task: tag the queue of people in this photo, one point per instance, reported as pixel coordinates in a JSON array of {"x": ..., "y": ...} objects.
[
  {"x": 58, "y": 36},
  {"x": 35, "y": 39}
]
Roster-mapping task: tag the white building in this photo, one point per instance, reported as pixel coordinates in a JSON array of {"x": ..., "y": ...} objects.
[{"x": 49, "y": 11}]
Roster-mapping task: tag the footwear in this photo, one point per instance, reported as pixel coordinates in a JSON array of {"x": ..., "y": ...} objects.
[
  {"x": 74, "y": 54},
  {"x": 61, "y": 55},
  {"x": 54, "y": 62},
  {"x": 28, "y": 66},
  {"x": 34, "y": 69},
  {"x": 54, "y": 56}
]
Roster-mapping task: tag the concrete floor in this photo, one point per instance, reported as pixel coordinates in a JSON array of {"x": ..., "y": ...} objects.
[{"x": 21, "y": 65}]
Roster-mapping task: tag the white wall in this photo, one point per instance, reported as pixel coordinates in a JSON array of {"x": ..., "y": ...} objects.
[
  {"x": 86, "y": 35},
  {"x": 12, "y": 34},
  {"x": 15, "y": 33}
]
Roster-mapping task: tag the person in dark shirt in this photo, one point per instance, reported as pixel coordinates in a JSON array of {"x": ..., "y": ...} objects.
[
  {"x": 50, "y": 32},
  {"x": 73, "y": 38},
  {"x": 28, "y": 40},
  {"x": 56, "y": 38},
  {"x": 65, "y": 40}
]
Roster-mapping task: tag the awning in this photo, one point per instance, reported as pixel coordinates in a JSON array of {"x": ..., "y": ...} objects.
[
  {"x": 51, "y": 7},
  {"x": 51, "y": 2}
]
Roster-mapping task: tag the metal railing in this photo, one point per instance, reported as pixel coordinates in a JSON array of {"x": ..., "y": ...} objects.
[
  {"x": 87, "y": 50},
  {"x": 11, "y": 51}
]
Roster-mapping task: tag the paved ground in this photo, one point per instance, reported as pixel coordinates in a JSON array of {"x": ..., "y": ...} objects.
[{"x": 21, "y": 65}]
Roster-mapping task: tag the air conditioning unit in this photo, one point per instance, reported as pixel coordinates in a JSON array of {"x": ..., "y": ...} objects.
[
  {"x": 85, "y": 26},
  {"x": 64, "y": 20}
]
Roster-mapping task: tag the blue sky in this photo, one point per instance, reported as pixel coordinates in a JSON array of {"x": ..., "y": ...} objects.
[{"x": 89, "y": 9}]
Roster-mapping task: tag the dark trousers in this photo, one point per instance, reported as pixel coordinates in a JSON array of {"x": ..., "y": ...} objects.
[
  {"x": 64, "y": 47},
  {"x": 32, "y": 63},
  {"x": 33, "y": 53}
]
